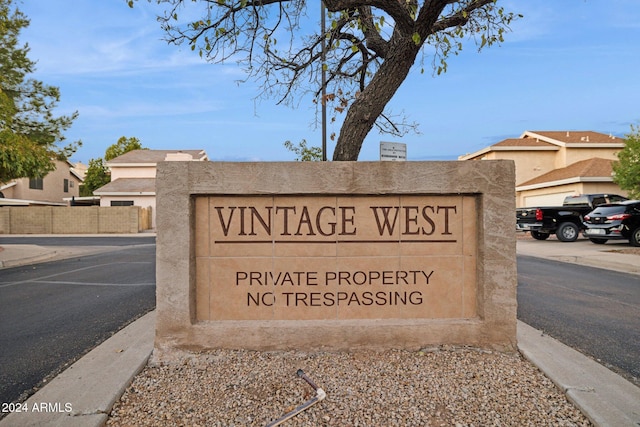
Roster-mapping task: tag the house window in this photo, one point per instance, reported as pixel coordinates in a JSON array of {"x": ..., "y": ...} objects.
[
  {"x": 122, "y": 203},
  {"x": 66, "y": 185},
  {"x": 36, "y": 183}
]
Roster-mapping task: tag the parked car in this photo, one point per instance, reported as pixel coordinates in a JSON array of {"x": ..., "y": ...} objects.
[
  {"x": 564, "y": 221},
  {"x": 614, "y": 221}
]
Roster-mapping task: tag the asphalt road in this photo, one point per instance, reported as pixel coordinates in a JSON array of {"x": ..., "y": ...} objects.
[
  {"x": 592, "y": 310},
  {"x": 53, "y": 313}
]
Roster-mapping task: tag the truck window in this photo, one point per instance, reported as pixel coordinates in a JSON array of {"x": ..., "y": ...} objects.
[
  {"x": 575, "y": 200},
  {"x": 617, "y": 199}
]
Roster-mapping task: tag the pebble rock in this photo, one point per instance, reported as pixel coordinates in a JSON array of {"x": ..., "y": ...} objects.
[{"x": 442, "y": 386}]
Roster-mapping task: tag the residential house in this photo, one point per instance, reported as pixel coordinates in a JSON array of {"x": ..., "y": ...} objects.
[
  {"x": 57, "y": 188},
  {"x": 551, "y": 165},
  {"x": 133, "y": 177},
  {"x": 81, "y": 169}
]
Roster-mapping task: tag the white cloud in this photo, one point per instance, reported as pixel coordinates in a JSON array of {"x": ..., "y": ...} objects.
[{"x": 148, "y": 109}]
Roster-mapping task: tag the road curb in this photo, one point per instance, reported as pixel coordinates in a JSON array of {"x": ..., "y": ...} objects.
[
  {"x": 84, "y": 394},
  {"x": 599, "y": 261},
  {"x": 45, "y": 255},
  {"x": 17, "y": 256},
  {"x": 600, "y": 394}
]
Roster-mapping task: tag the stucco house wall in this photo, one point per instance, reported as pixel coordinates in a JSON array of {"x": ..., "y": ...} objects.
[
  {"x": 133, "y": 177},
  {"x": 553, "y": 164},
  {"x": 529, "y": 164},
  {"x": 53, "y": 191},
  {"x": 578, "y": 154},
  {"x": 554, "y": 196},
  {"x": 139, "y": 171},
  {"x": 586, "y": 176}
]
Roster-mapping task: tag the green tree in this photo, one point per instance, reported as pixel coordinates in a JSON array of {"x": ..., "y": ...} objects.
[
  {"x": 29, "y": 130},
  {"x": 303, "y": 152},
  {"x": 98, "y": 173},
  {"x": 97, "y": 176},
  {"x": 124, "y": 145},
  {"x": 627, "y": 168},
  {"x": 357, "y": 63}
]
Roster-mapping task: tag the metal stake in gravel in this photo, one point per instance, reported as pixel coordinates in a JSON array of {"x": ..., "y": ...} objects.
[{"x": 320, "y": 395}]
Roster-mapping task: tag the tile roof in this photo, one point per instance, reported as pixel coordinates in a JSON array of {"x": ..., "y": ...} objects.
[
  {"x": 576, "y": 137},
  {"x": 595, "y": 167},
  {"x": 522, "y": 142},
  {"x": 128, "y": 185},
  {"x": 550, "y": 140},
  {"x": 154, "y": 156}
]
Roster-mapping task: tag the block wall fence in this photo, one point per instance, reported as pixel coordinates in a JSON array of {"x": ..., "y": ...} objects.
[{"x": 74, "y": 220}]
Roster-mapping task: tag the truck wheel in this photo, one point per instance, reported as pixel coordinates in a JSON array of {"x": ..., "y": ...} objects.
[
  {"x": 567, "y": 232},
  {"x": 635, "y": 237},
  {"x": 539, "y": 236},
  {"x": 598, "y": 241}
]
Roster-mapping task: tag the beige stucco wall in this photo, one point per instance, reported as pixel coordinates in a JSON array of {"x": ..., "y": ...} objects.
[
  {"x": 529, "y": 164},
  {"x": 132, "y": 172},
  {"x": 574, "y": 154},
  {"x": 527, "y": 198},
  {"x": 487, "y": 187},
  {"x": 8, "y": 193},
  {"x": 53, "y": 186},
  {"x": 142, "y": 201}
]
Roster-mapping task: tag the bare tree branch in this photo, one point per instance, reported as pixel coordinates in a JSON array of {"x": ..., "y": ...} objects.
[{"x": 371, "y": 46}]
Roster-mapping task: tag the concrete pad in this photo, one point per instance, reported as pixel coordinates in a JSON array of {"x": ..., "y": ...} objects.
[{"x": 583, "y": 252}]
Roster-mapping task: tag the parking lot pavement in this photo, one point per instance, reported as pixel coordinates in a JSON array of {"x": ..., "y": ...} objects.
[{"x": 615, "y": 255}]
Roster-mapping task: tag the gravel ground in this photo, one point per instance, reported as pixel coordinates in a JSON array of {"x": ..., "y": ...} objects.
[{"x": 443, "y": 386}]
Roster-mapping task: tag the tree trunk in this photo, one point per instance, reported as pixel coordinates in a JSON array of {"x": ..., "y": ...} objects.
[{"x": 370, "y": 103}]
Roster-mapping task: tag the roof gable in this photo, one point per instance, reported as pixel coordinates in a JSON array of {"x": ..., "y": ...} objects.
[{"x": 550, "y": 141}]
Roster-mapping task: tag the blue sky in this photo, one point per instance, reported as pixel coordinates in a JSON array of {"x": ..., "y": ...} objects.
[{"x": 567, "y": 65}]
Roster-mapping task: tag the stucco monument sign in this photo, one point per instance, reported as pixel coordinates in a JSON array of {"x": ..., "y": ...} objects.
[{"x": 337, "y": 255}]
